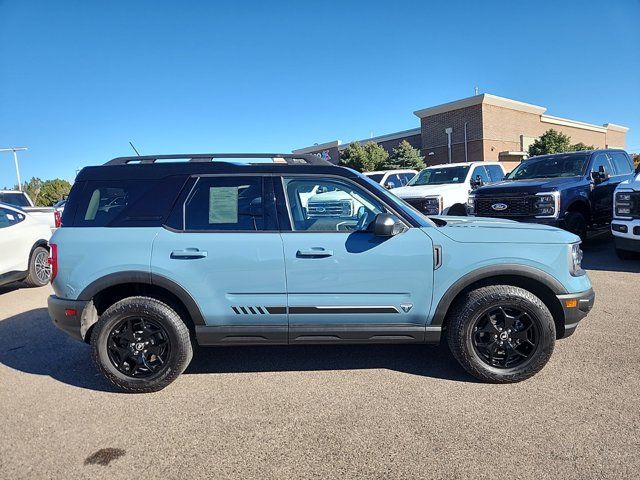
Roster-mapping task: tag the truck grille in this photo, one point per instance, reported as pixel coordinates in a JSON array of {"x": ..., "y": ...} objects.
[
  {"x": 329, "y": 209},
  {"x": 515, "y": 206},
  {"x": 635, "y": 204}
]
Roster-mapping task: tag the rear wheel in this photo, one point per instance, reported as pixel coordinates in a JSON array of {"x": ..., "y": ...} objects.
[
  {"x": 39, "y": 268},
  {"x": 140, "y": 344},
  {"x": 575, "y": 222},
  {"x": 501, "y": 334}
]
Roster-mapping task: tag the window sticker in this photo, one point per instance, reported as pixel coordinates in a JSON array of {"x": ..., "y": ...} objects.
[
  {"x": 455, "y": 179},
  {"x": 10, "y": 217},
  {"x": 223, "y": 205}
]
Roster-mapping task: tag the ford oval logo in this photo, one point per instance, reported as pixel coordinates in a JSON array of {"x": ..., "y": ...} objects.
[
  {"x": 320, "y": 209},
  {"x": 498, "y": 207}
]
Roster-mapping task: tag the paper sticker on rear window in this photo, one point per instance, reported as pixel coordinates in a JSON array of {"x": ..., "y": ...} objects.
[{"x": 223, "y": 205}]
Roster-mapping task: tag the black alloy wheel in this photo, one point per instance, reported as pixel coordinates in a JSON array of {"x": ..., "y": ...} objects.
[
  {"x": 138, "y": 347},
  {"x": 505, "y": 336}
]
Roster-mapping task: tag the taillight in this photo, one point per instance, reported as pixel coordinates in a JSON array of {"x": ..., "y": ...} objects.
[
  {"x": 53, "y": 260},
  {"x": 58, "y": 218}
]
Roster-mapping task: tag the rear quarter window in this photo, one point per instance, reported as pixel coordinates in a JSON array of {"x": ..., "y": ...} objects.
[{"x": 122, "y": 203}]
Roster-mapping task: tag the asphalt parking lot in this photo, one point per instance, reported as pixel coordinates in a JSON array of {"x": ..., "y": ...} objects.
[{"x": 325, "y": 412}]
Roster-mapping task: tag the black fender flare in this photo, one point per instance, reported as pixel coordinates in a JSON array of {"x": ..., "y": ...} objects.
[
  {"x": 132, "y": 276},
  {"x": 514, "y": 270}
]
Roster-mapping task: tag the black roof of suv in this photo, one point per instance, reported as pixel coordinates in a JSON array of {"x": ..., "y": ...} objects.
[{"x": 160, "y": 166}]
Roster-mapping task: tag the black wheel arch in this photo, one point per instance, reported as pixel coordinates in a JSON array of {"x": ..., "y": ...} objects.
[
  {"x": 581, "y": 205},
  {"x": 538, "y": 282},
  {"x": 105, "y": 291}
]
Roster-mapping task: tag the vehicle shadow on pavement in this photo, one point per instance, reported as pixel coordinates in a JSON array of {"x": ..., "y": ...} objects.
[
  {"x": 424, "y": 360},
  {"x": 10, "y": 287},
  {"x": 600, "y": 254},
  {"x": 30, "y": 343}
]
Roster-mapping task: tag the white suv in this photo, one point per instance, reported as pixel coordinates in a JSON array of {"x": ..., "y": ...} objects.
[
  {"x": 625, "y": 225},
  {"x": 392, "y": 178},
  {"x": 24, "y": 249},
  {"x": 444, "y": 189}
]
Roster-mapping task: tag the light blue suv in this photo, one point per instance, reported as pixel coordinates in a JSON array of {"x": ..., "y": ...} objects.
[{"x": 157, "y": 254}]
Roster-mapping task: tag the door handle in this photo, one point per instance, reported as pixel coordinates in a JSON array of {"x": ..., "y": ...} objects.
[
  {"x": 188, "y": 254},
  {"x": 314, "y": 252}
]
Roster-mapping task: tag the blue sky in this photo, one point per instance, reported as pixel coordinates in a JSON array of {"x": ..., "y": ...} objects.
[{"x": 79, "y": 79}]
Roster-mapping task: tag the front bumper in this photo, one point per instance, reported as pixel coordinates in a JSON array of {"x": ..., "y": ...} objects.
[
  {"x": 62, "y": 315},
  {"x": 626, "y": 234},
  {"x": 576, "y": 306}
]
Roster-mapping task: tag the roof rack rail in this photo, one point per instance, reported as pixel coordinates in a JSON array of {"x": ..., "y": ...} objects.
[{"x": 284, "y": 158}]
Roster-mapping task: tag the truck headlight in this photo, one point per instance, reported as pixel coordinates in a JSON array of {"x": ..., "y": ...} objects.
[
  {"x": 547, "y": 205},
  {"x": 432, "y": 205},
  {"x": 471, "y": 204},
  {"x": 622, "y": 204},
  {"x": 575, "y": 260}
]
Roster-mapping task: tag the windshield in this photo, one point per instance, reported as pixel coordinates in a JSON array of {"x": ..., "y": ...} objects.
[
  {"x": 550, "y": 167},
  {"x": 16, "y": 199},
  {"x": 398, "y": 203},
  {"x": 376, "y": 177},
  {"x": 440, "y": 176}
]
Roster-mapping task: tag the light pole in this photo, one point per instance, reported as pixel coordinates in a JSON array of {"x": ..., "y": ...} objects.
[{"x": 15, "y": 160}]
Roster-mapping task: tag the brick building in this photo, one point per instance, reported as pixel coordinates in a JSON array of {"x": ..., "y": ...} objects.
[{"x": 483, "y": 127}]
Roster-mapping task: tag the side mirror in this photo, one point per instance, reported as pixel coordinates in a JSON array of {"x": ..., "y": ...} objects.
[
  {"x": 387, "y": 225},
  {"x": 477, "y": 182},
  {"x": 600, "y": 176}
]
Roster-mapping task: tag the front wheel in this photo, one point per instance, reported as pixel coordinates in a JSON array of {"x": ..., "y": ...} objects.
[
  {"x": 140, "y": 344},
  {"x": 575, "y": 222},
  {"x": 501, "y": 334}
]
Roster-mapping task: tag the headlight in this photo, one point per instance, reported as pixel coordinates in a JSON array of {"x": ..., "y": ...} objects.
[
  {"x": 575, "y": 260},
  {"x": 547, "y": 205},
  {"x": 432, "y": 205},
  {"x": 471, "y": 205},
  {"x": 622, "y": 205},
  {"x": 347, "y": 210}
]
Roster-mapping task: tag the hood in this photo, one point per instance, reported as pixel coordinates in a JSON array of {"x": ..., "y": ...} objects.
[
  {"x": 334, "y": 196},
  {"x": 419, "y": 191},
  {"x": 633, "y": 184},
  {"x": 527, "y": 187},
  {"x": 495, "y": 230}
]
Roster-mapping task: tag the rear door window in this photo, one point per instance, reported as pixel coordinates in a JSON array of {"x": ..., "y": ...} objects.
[
  {"x": 225, "y": 203},
  {"x": 621, "y": 163}
]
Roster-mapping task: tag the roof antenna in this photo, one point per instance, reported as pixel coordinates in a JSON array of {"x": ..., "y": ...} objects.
[
  {"x": 475, "y": 91},
  {"x": 134, "y": 149}
]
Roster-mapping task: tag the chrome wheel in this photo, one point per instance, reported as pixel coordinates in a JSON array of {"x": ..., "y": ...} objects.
[{"x": 42, "y": 267}]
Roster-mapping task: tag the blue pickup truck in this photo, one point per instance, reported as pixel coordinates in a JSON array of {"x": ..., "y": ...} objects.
[
  {"x": 573, "y": 191},
  {"x": 158, "y": 254}
]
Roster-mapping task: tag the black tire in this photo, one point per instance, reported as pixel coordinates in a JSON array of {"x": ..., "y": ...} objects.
[
  {"x": 457, "y": 210},
  {"x": 575, "y": 222},
  {"x": 39, "y": 269},
  {"x": 169, "y": 327},
  {"x": 627, "y": 255},
  {"x": 462, "y": 333}
]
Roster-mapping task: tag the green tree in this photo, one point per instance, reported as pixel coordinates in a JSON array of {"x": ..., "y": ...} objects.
[
  {"x": 550, "y": 141},
  {"x": 404, "y": 156},
  {"x": 52, "y": 191},
  {"x": 364, "y": 158},
  {"x": 553, "y": 141},
  {"x": 580, "y": 146},
  {"x": 32, "y": 188}
]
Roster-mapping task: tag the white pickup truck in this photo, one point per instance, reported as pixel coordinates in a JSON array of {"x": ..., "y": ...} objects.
[
  {"x": 444, "y": 189},
  {"x": 21, "y": 200}
]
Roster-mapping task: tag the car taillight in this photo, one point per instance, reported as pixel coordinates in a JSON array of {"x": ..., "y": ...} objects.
[
  {"x": 58, "y": 218},
  {"x": 53, "y": 260}
]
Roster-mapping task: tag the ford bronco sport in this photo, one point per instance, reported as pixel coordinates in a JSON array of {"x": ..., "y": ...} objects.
[{"x": 221, "y": 250}]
